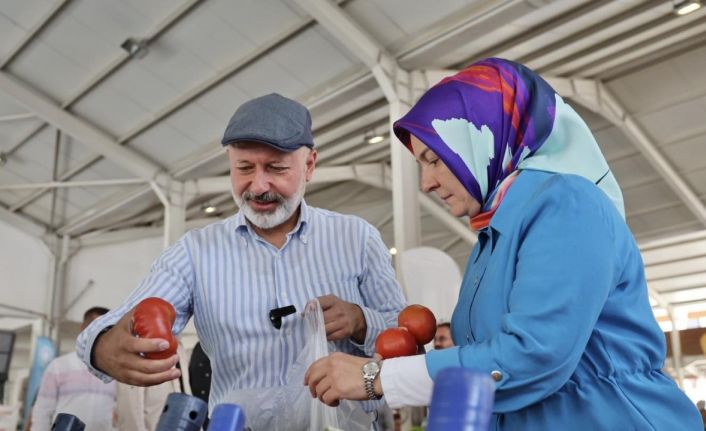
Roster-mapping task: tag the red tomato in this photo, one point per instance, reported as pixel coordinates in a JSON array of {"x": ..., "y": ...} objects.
[
  {"x": 153, "y": 318},
  {"x": 419, "y": 321},
  {"x": 394, "y": 342},
  {"x": 158, "y": 304}
]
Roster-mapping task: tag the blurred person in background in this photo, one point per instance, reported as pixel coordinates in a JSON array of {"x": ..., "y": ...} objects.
[
  {"x": 69, "y": 387},
  {"x": 442, "y": 338}
]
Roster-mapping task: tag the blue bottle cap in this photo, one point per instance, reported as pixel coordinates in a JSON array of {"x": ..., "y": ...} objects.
[{"x": 227, "y": 417}]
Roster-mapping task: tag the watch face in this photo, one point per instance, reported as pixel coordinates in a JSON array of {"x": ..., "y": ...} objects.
[{"x": 371, "y": 368}]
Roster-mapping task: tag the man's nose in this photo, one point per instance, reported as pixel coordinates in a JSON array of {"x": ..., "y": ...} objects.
[{"x": 260, "y": 183}]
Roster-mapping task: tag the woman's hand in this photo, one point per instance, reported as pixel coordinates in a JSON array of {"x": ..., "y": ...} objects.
[{"x": 339, "y": 376}]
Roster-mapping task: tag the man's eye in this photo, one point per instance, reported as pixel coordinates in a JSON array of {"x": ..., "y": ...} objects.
[
  {"x": 279, "y": 168},
  {"x": 433, "y": 162}
]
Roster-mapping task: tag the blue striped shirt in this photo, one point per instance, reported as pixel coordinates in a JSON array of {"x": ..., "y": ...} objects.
[{"x": 228, "y": 278}]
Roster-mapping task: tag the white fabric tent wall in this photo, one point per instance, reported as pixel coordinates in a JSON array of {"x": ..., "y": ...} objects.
[
  {"x": 114, "y": 269},
  {"x": 26, "y": 266},
  {"x": 430, "y": 278}
]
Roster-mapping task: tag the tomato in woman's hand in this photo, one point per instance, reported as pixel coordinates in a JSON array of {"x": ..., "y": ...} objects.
[
  {"x": 394, "y": 342},
  {"x": 419, "y": 321},
  {"x": 153, "y": 318}
]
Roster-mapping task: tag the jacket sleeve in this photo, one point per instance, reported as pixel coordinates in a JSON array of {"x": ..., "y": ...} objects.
[{"x": 565, "y": 269}]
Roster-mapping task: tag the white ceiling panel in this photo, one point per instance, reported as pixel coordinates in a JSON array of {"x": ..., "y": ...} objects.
[
  {"x": 648, "y": 195},
  {"x": 164, "y": 144},
  {"x": 686, "y": 295},
  {"x": 12, "y": 132},
  {"x": 682, "y": 282},
  {"x": 697, "y": 180},
  {"x": 10, "y": 34},
  {"x": 677, "y": 121},
  {"x": 682, "y": 83},
  {"x": 301, "y": 57},
  {"x": 116, "y": 117},
  {"x": 673, "y": 218},
  {"x": 49, "y": 71},
  {"x": 175, "y": 66},
  {"x": 267, "y": 76},
  {"x": 688, "y": 154},
  {"x": 67, "y": 36},
  {"x": 115, "y": 21},
  {"x": 255, "y": 19},
  {"x": 633, "y": 170},
  {"x": 35, "y": 159},
  {"x": 24, "y": 13},
  {"x": 197, "y": 124},
  {"x": 376, "y": 22},
  {"x": 210, "y": 36},
  {"x": 222, "y": 101}
]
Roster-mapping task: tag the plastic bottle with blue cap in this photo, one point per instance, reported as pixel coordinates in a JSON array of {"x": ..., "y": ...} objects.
[{"x": 462, "y": 400}]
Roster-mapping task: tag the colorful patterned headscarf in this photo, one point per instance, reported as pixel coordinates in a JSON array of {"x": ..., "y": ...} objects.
[{"x": 497, "y": 117}]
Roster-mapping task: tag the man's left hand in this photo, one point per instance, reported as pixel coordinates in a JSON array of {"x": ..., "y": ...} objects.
[{"x": 343, "y": 319}]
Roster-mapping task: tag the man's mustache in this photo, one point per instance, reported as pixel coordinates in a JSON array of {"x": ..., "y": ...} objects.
[{"x": 264, "y": 198}]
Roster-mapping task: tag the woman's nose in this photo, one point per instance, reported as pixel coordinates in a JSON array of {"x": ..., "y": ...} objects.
[{"x": 428, "y": 183}]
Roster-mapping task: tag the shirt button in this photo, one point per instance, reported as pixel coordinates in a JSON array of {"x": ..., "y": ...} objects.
[{"x": 496, "y": 375}]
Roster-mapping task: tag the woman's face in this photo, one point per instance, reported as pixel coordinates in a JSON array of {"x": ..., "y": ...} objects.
[{"x": 438, "y": 178}]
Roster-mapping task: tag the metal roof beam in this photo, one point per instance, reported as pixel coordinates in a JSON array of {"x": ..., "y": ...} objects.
[{"x": 80, "y": 129}]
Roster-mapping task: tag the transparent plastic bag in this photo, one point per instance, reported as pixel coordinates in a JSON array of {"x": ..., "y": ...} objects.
[{"x": 290, "y": 407}]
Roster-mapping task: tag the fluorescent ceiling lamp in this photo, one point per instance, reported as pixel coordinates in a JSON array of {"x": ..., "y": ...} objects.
[
  {"x": 209, "y": 209},
  {"x": 375, "y": 139},
  {"x": 684, "y": 7}
]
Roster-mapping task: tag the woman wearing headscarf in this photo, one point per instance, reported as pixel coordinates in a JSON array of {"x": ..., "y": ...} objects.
[{"x": 553, "y": 302}]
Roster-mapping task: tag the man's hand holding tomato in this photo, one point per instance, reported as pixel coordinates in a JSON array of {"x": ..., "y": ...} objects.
[{"x": 119, "y": 353}]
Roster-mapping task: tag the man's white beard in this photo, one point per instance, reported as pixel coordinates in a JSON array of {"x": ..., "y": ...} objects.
[{"x": 267, "y": 220}]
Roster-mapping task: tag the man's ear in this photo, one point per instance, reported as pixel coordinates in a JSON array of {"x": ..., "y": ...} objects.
[{"x": 310, "y": 164}]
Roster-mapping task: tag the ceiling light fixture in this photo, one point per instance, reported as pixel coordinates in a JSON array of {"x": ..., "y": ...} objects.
[
  {"x": 372, "y": 137},
  {"x": 209, "y": 208},
  {"x": 393, "y": 251},
  {"x": 137, "y": 48},
  {"x": 684, "y": 7},
  {"x": 375, "y": 139}
]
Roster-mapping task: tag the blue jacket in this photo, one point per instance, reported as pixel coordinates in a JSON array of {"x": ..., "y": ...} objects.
[{"x": 554, "y": 300}]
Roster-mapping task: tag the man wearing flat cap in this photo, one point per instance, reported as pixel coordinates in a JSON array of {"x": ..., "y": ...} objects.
[{"x": 247, "y": 278}]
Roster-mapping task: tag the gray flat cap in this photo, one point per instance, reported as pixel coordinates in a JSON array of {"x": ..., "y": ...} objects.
[{"x": 273, "y": 120}]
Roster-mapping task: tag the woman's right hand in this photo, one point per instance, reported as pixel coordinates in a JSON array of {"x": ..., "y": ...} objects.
[{"x": 117, "y": 353}]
